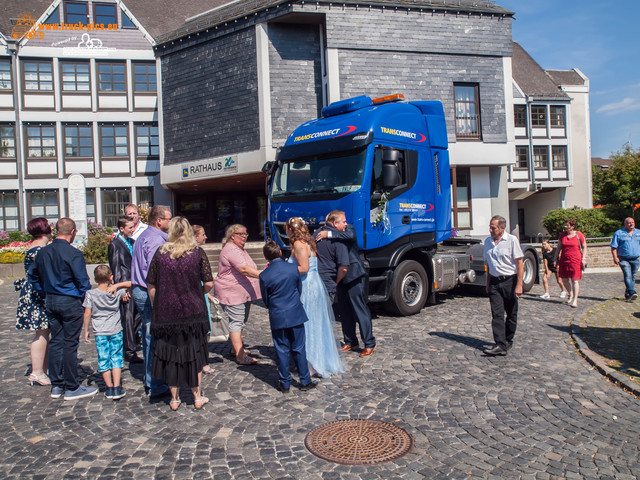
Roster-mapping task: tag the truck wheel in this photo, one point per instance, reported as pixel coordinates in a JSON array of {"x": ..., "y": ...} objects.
[
  {"x": 409, "y": 289},
  {"x": 529, "y": 275}
]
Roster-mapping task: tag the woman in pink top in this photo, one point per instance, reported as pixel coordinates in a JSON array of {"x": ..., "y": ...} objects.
[{"x": 236, "y": 287}]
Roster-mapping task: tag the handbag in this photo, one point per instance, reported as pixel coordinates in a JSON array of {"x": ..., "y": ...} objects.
[{"x": 219, "y": 322}]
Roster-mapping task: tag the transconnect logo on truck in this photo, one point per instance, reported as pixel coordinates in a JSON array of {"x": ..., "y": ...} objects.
[{"x": 417, "y": 137}]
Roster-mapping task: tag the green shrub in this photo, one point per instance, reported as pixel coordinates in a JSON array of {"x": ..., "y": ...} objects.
[
  {"x": 95, "y": 249},
  {"x": 19, "y": 237},
  {"x": 592, "y": 222}
]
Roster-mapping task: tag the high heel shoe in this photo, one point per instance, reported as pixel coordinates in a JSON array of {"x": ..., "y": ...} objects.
[{"x": 41, "y": 379}]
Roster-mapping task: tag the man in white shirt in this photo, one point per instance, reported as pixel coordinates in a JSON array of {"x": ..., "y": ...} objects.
[
  {"x": 132, "y": 211},
  {"x": 503, "y": 255}
]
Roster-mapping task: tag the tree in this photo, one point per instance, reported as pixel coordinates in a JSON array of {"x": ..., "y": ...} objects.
[{"x": 619, "y": 186}]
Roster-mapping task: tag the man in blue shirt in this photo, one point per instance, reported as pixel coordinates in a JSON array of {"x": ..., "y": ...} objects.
[
  {"x": 625, "y": 249},
  {"x": 60, "y": 271}
]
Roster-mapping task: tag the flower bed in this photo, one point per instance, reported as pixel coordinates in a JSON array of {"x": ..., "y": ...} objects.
[{"x": 14, "y": 252}]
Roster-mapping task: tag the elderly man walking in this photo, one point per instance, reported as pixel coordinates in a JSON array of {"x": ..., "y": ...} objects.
[
  {"x": 60, "y": 271},
  {"x": 503, "y": 255},
  {"x": 625, "y": 249}
]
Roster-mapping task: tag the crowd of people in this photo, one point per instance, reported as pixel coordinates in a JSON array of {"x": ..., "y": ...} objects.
[
  {"x": 157, "y": 291},
  {"x": 158, "y": 286}
]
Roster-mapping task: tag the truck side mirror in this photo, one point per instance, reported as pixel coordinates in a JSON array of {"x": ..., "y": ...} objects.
[
  {"x": 268, "y": 167},
  {"x": 390, "y": 169}
]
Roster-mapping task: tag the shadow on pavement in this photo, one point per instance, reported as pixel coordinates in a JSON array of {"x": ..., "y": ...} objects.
[
  {"x": 473, "y": 342},
  {"x": 618, "y": 345}
]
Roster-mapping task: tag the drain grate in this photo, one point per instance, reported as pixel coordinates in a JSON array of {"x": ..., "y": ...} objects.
[{"x": 358, "y": 442}]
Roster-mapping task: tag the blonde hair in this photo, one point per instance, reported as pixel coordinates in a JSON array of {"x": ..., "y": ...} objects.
[
  {"x": 180, "y": 240},
  {"x": 230, "y": 231},
  {"x": 300, "y": 232}
]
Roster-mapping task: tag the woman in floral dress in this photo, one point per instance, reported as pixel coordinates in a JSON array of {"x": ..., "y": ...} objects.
[{"x": 31, "y": 313}]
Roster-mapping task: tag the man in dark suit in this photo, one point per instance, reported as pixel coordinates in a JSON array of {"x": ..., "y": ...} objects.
[
  {"x": 120, "y": 253},
  {"x": 351, "y": 289},
  {"x": 280, "y": 285}
]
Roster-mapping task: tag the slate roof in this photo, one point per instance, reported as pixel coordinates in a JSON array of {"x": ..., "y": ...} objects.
[
  {"x": 531, "y": 78},
  {"x": 240, "y": 8},
  {"x": 165, "y": 20},
  {"x": 565, "y": 77}
]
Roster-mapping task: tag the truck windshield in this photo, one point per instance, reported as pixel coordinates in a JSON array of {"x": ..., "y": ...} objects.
[{"x": 342, "y": 172}]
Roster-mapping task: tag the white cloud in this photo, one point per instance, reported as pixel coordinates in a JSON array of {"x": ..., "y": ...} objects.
[{"x": 626, "y": 105}]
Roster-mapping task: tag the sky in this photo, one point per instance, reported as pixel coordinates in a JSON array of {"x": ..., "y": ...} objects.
[{"x": 600, "y": 38}]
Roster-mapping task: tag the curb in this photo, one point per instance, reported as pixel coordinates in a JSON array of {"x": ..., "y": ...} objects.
[{"x": 598, "y": 362}]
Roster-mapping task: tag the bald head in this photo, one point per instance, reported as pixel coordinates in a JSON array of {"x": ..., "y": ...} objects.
[{"x": 65, "y": 226}]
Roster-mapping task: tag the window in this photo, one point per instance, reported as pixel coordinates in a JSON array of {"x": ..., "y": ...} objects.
[
  {"x": 38, "y": 76},
  {"x": 467, "y": 110},
  {"x": 559, "y": 156},
  {"x": 41, "y": 141},
  {"x": 5, "y": 75},
  {"x": 538, "y": 116},
  {"x": 126, "y": 21},
  {"x": 104, "y": 14},
  {"x": 461, "y": 197},
  {"x": 43, "y": 203},
  {"x": 520, "y": 115},
  {"x": 113, "y": 203},
  {"x": 7, "y": 141},
  {"x": 557, "y": 116},
  {"x": 111, "y": 77},
  {"x": 144, "y": 77},
  {"x": 145, "y": 197},
  {"x": 78, "y": 141},
  {"x": 522, "y": 157},
  {"x": 91, "y": 204},
  {"x": 114, "y": 141},
  {"x": 54, "y": 18},
  {"x": 76, "y": 13},
  {"x": 147, "y": 142},
  {"x": 540, "y": 157},
  {"x": 75, "y": 77},
  {"x": 9, "y": 211}
]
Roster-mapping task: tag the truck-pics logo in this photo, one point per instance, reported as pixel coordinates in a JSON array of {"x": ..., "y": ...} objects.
[{"x": 416, "y": 137}]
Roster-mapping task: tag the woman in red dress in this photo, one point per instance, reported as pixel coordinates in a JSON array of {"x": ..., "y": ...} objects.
[{"x": 572, "y": 253}]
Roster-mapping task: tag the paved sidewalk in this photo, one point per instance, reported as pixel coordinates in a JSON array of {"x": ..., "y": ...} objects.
[
  {"x": 542, "y": 412},
  {"x": 609, "y": 336}
]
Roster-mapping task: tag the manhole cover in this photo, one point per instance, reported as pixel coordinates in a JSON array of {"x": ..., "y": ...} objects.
[{"x": 358, "y": 442}]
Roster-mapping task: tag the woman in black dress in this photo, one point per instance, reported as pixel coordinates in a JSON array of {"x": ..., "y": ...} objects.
[{"x": 179, "y": 276}]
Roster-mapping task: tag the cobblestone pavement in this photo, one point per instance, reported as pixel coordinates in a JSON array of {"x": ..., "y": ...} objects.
[
  {"x": 540, "y": 412},
  {"x": 609, "y": 333}
]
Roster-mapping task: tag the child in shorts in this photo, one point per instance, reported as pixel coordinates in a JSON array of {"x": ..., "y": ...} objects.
[{"x": 102, "y": 309}]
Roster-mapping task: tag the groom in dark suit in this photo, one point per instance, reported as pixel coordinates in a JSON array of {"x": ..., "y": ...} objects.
[
  {"x": 120, "y": 253},
  {"x": 351, "y": 287},
  {"x": 280, "y": 285}
]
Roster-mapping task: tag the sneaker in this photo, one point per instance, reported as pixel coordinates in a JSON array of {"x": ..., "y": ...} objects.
[
  {"x": 108, "y": 392},
  {"x": 80, "y": 392},
  {"x": 118, "y": 393},
  {"x": 563, "y": 294},
  {"x": 56, "y": 392},
  {"x": 633, "y": 297},
  {"x": 545, "y": 295}
]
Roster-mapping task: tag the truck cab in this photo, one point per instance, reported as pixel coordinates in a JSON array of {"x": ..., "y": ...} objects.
[{"x": 385, "y": 163}]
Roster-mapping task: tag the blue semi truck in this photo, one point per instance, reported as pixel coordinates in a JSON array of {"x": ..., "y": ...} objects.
[{"x": 385, "y": 163}]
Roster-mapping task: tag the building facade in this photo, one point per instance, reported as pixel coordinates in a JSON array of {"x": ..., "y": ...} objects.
[
  {"x": 78, "y": 95},
  {"x": 552, "y": 143},
  {"x": 238, "y": 79}
]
